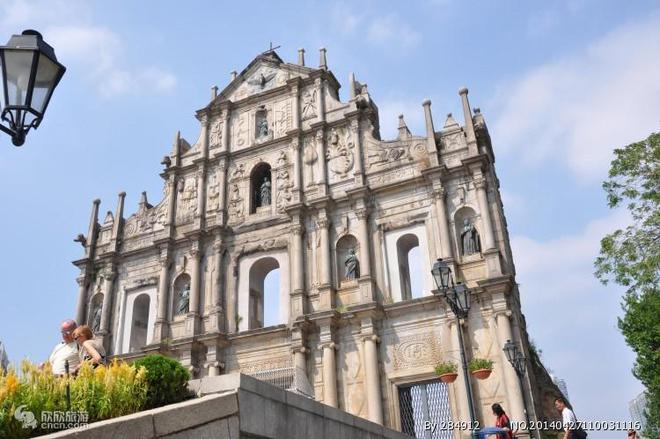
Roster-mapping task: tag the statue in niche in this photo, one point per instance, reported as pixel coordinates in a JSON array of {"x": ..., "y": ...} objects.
[
  {"x": 265, "y": 193},
  {"x": 96, "y": 318},
  {"x": 184, "y": 301},
  {"x": 470, "y": 242},
  {"x": 352, "y": 265},
  {"x": 262, "y": 124}
]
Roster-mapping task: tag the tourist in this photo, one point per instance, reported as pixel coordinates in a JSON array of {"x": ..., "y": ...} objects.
[
  {"x": 66, "y": 350},
  {"x": 572, "y": 429},
  {"x": 502, "y": 421},
  {"x": 632, "y": 434},
  {"x": 90, "y": 349}
]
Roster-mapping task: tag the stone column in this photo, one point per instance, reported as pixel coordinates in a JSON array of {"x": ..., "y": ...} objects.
[
  {"x": 81, "y": 305},
  {"x": 484, "y": 210},
  {"x": 296, "y": 106},
  {"x": 108, "y": 276},
  {"x": 513, "y": 388},
  {"x": 119, "y": 219},
  {"x": 213, "y": 363},
  {"x": 163, "y": 298},
  {"x": 171, "y": 202},
  {"x": 216, "y": 321},
  {"x": 224, "y": 142},
  {"x": 372, "y": 379},
  {"x": 297, "y": 281},
  {"x": 201, "y": 192},
  {"x": 329, "y": 375},
  {"x": 194, "y": 281},
  {"x": 441, "y": 212},
  {"x": 297, "y": 167},
  {"x": 469, "y": 123},
  {"x": 299, "y": 359},
  {"x": 365, "y": 251},
  {"x": 323, "y": 223},
  {"x": 91, "y": 231},
  {"x": 501, "y": 375},
  {"x": 222, "y": 188},
  {"x": 320, "y": 149},
  {"x": 359, "y": 174}
]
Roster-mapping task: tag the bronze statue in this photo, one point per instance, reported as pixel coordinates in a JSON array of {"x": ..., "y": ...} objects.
[
  {"x": 265, "y": 192},
  {"x": 184, "y": 301},
  {"x": 352, "y": 265},
  {"x": 96, "y": 319},
  {"x": 470, "y": 242}
]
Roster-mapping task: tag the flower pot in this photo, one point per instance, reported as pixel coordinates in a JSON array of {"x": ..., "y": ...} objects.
[
  {"x": 448, "y": 377},
  {"x": 481, "y": 374}
]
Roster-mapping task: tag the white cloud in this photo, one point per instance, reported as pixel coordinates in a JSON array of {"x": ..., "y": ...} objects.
[
  {"x": 382, "y": 30},
  {"x": 577, "y": 109},
  {"x": 391, "y": 30},
  {"x": 94, "y": 49}
]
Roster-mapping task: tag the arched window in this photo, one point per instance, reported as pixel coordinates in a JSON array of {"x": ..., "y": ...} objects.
[
  {"x": 181, "y": 296},
  {"x": 261, "y": 187},
  {"x": 95, "y": 310},
  {"x": 347, "y": 259},
  {"x": 468, "y": 238},
  {"x": 264, "y": 293},
  {"x": 410, "y": 263},
  {"x": 139, "y": 322}
]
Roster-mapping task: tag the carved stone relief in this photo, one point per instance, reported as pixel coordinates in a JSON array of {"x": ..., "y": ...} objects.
[
  {"x": 215, "y": 134},
  {"x": 310, "y": 157},
  {"x": 309, "y": 104},
  {"x": 213, "y": 192},
  {"x": 284, "y": 183},
  {"x": 187, "y": 198},
  {"x": 416, "y": 350},
  {"x": 282, "y": 118},
  {"x": 236, "y": 205},
  {"x": 340, "y": 153},
  {"x": 240, "y": 130}
]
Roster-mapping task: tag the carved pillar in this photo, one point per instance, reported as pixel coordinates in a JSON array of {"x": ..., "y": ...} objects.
[
  {"x": 323, "y": 223},
  {"x": 469, "y": 123},
  {"x": 217, "y": 318},
  {"x": 296, "y": 106},
  {"x": 204, "y": 136},
  {"x": 224, "y": 143},
  {"x": 171, "y": 201},
  {"x": 484, "y": 210},
  {"x": 194, "y": 280},
  {"x": 108, "y": 276},
  {"x": 221, "y": 178},
  {"x": 501, "y": 375},
  {"x": 372, "y": 379},
  {"x": 318, "y": 84},
  {"x": 161, "y": 328},
  {"x": 117, "y": 228},
  {"x": 297, "y": 165},
  {"x": 322, "y": 178},
  {"x": 201, "y": 191},
  {"x": 441, "y": 212},
  {"x": 297, "y": 281},
  {"x": 213, "y": 357},
  {"x": 359, "y": 173},
  {"x": 512, "y": 389},
  {"x": 365, "y": 251},
  {"x": 91, "y": 231},
  {"x": 81, "y": 305},
  {"x": 329, "y": 375}
]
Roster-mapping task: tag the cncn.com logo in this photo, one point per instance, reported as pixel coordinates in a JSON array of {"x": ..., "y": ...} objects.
[
  {"x": 51, "y": 420},
  {"x": 26, "y": 417}
]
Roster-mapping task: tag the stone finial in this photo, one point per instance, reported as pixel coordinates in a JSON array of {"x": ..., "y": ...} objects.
[
  {"x": 426, "y": 102},
  {"x": 233, "y": 74},
  {"x": 109, "y": 218},
  {"x": 214, "y": 92},
  {"x": 450, "y": 122},
  {"x": 352, "y": 85},
  {"x": 301, "y": 56},
  {"x": 323, "y": 61},
  {"x": 463, "y": 91},
  {"x": 404, "y": 132},
  {"x": 176, "y": 144}
]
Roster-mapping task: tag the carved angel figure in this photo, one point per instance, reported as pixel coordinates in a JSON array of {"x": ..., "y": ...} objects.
[{"x": 262, "y": 80}]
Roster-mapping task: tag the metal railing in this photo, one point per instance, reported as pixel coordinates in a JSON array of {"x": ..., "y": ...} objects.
[{"x": 292, "y": 379}]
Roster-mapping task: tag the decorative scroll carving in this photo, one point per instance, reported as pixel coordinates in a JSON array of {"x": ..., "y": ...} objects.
[
  {"x": 253, "y": 365},
  {"x": 213, "y": 193},
  {"x": 339, "y": 153},
  {"x": 309, "y": 98},
  {"x": 240, "y": 130},
  {"x": 381, "y": 154},
  {"x": 187, "y": 189},
  {"x": 416, "y": 350},
  {"x": 283, "y": 119},
  {"x": 215, "y": 134},
  {"x": 284, "y": 184}
]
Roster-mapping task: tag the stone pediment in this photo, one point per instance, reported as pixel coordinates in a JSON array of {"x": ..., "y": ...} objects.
[{"x": 265, "y": 72}]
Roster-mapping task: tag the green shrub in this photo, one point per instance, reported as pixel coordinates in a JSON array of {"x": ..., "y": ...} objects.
[
  {"x": 445, "y": 367},
  {"x": 167, "y": 380},
  {"x": 480, "y": 363}
]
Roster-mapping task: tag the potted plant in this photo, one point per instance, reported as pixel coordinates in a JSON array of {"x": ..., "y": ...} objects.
[
  {"x": 480, "y": 368},
  {"x": 446, "y": 371}
]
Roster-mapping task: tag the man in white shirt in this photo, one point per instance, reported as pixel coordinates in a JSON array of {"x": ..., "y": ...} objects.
[
  {"x": 67, "y": 349},
  {"x": 568, "y": 419}
]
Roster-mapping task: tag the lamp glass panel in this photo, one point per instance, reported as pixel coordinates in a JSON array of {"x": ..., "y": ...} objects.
[
  {"x": 18, "y": 65},
  {"x": 44, "y": 83}
]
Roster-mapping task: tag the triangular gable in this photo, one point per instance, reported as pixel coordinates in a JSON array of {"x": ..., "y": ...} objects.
[{"x": 265, "y": 72}]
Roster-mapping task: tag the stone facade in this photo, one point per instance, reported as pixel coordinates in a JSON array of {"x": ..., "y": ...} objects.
[{"x": 286, "y": 176}]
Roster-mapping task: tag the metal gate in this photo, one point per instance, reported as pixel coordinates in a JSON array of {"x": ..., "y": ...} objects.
[{"x": 425, "y": 409}]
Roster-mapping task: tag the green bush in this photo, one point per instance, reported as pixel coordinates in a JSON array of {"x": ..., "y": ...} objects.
[
  {"x": 167, "y": 380},
  {"x": 480, "y": 363},
  {"x": 445, "y": 367}
]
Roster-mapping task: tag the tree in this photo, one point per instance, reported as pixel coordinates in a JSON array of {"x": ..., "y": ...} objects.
[{"x": 631, "y": 257}]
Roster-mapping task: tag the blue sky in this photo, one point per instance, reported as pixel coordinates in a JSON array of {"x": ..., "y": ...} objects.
[{"x": 561, "y": 83}]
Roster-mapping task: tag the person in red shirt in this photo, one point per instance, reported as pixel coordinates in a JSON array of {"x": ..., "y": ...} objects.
[{"x": 502, "y": 421}]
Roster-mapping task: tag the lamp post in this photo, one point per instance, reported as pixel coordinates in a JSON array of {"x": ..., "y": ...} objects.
[
  {"x": 30, "y": 73},
  {"x": 458, "y": 297},
  {"x": 517, "y": 360}
]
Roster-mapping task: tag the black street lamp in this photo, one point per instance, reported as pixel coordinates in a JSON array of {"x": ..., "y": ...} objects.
[
  {"x": 30, "y": 73},
  {"x": 518, "y": 361},
  {"x": 458, "y": 297}
]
